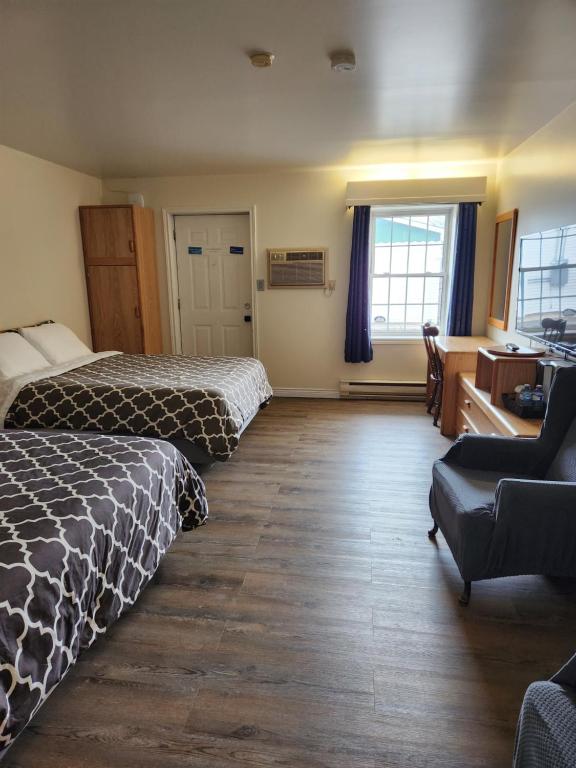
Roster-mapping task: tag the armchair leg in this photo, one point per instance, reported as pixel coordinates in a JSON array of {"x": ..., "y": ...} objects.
[
  {"x": 464, "y": 598},
  {"x": 433, "y": 531}
]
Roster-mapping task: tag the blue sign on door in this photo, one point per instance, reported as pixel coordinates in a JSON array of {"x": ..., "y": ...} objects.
[
  {"x": 236, "y": 249},
  {"x": 195, "y": 250}
]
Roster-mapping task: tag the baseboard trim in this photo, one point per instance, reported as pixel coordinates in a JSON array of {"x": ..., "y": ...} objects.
[{"x": 327, "y": 394}]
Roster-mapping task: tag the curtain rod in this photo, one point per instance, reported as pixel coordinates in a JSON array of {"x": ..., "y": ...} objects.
[{"x": 477, "y": 202}]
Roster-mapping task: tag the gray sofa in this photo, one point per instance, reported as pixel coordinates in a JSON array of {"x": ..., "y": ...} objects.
[
  {"x": 546, "y": 733},
  {"x": 507, "y": 506}
]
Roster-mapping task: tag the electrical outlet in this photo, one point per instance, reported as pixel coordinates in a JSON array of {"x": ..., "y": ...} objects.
[{"x": 331, "y": 285}]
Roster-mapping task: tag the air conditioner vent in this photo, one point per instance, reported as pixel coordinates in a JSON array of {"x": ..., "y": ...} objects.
[{"x": 297, "y": 268}]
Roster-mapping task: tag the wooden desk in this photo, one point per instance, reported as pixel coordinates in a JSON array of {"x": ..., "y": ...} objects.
[
  {"x": 477, "y": 414},
  {"x": 458, "y": 355}
]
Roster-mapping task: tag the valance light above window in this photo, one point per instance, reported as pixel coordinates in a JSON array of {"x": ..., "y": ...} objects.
[{"x": 470, "y": 189}]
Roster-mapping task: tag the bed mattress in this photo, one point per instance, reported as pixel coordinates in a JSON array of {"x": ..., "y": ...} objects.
[
  {"x": 205, "y": 400},
  {"x": 84, "y": 522}
]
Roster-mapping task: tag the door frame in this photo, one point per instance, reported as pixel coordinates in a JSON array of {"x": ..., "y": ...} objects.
[{"x": 168, "y": 222}]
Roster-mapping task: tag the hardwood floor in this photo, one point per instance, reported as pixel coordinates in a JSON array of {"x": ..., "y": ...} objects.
[{"x": 311, "y": 623}]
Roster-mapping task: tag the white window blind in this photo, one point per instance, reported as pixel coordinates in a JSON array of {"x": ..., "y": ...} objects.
[{"x": 410, "y": 256}]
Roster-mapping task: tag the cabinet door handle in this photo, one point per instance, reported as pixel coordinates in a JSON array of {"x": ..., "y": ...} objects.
[
  {"x": 137, "y": 312},
  {"x": 131, "y": 246},
  {"x": 468, "y": 403},
  {"x": 465, "y": 429}
]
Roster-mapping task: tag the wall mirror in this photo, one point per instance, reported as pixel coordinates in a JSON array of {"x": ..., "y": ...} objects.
[{"x": 502, "y": 266}]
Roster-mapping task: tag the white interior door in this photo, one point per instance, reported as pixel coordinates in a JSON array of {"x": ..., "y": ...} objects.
[{"x": 214, "y": 284}]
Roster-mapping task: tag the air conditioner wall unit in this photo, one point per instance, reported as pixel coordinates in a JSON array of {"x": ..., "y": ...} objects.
[
  {"x": 297, "y": 267},
  {"x": 383, "y": 390}
]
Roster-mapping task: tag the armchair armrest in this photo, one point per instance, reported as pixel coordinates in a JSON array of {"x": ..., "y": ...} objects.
[
  {"x": 535, "y": 528},
  {"x": 567, "y": 674},
  {"x": 490, "y": 452},
  {"x": 530, "y": 499}
]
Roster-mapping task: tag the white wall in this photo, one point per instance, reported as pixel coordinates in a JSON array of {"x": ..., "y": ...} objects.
[
  {"x": 41, "y": 266},
  {"x": 539, "y": 178},
  {"x": 302, "y": 331}
]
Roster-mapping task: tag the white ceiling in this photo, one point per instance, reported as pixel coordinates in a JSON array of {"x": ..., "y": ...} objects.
[{"x": 158, "y": 87}]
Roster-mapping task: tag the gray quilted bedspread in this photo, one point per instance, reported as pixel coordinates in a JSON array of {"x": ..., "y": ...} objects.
[
  {"x": 84, "y": 522},
  {"x": 546, "y": 736},
  {"x": 206, "y": 400}
]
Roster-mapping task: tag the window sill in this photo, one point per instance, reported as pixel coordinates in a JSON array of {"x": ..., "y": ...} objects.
[{"x": 402, "y": 340}]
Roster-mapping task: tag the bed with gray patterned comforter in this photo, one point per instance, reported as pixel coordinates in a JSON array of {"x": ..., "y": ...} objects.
[
  {"x": 205, "y": 400},
  {"x": 84, "y": 522}
]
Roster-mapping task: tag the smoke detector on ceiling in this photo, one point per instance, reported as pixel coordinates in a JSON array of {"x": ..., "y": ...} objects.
[
  {"x": 343, "y": 61},
  {"x": 261, "y": 59}
]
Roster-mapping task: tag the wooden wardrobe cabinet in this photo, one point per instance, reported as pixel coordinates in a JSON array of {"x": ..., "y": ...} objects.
[{"x": 121, "y": 277}]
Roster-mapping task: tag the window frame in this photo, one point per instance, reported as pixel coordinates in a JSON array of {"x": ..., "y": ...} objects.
[{"x": 423, "y": 209}]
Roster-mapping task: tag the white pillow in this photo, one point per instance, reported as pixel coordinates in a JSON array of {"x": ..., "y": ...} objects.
[
  {"x": 17, "y": 356},
  {"x": 56, "y": 342}
]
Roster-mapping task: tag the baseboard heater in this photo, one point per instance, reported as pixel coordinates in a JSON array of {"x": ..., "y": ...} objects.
[{"x": 383, "y": 390}]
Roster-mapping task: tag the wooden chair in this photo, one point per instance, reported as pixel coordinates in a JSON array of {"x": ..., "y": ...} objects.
[
  {"x": 435, "y": 372},
  {"x": 554, "y": 330}
]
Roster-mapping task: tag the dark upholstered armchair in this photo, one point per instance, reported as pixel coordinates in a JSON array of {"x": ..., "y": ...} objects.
[
  {"x": 507, "y": 506},
  {"x": 546, "y": 733}
]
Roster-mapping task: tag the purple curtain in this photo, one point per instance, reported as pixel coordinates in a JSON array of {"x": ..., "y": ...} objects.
[
  {"x": 462, "y": 298},
  {"x": 358, "y": 348}
]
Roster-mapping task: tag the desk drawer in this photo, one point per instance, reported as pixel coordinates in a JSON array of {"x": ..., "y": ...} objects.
[
  {"x": 465, "y": 426},
  {"x": 471, "y": 418}
]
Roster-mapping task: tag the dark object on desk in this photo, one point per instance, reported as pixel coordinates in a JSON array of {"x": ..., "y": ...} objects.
[
  {"x": 512, "y": 347},
  {"x": 534, "y": 410},
  {"x": 505, "y": 351},
  {"x": 546, "y": 733},
  {"x": 506, "y": 505},
  {"x": 435, "y": 382}
]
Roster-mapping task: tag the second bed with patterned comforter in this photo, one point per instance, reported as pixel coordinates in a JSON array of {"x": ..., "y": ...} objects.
[
  {"x": 84, "y": 522},
  {"x": 205, "y": 400}
]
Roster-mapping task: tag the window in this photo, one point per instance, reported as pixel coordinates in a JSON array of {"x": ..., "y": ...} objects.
[
  {"x": 410, "y": 259},
  {"x": 547, "y": 285}
]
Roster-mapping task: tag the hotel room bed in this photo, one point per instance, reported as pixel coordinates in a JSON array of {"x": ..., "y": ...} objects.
[
  {"x": 84, "y": 522},
  {"x": 201, "y": 404}
]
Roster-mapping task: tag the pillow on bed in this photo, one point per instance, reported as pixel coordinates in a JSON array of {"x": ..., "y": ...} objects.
[
  {"x": 56, "y": 342},
  {"x": 17, "y": 356}
]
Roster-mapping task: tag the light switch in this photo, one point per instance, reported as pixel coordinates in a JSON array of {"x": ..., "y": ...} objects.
[{"x": 260, "y": 284}]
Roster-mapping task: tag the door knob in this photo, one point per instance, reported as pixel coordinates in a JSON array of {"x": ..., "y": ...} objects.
[{"x": 247, "y": 305}]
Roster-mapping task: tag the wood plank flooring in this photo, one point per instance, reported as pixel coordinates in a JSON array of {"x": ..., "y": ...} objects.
[{"x": 311, "y": 624}]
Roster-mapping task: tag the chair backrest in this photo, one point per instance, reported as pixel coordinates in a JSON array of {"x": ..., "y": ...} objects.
[
  {"x": 554, "y": 330},
  {"x": 430, "y": 332},
  {"x": 563, "y": 467},
  {"x": 558, "y": 436}
]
